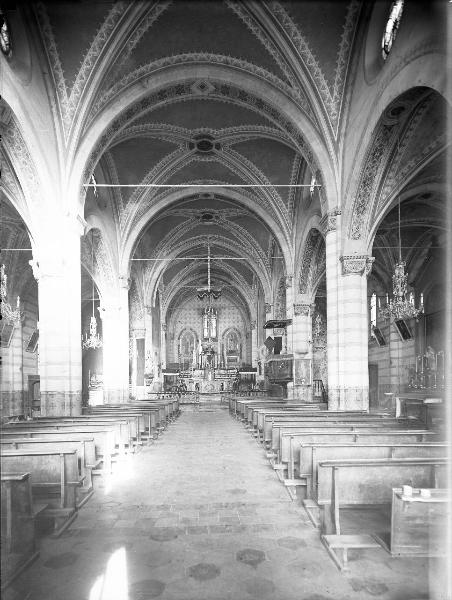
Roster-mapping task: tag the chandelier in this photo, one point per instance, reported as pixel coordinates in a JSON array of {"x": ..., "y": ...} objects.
[
  {"x": 207, "y": 293},
  {"x": 8, "y": 313},
  {"x": 400, "y": 306},
  {"x": 92, "y": 341}
]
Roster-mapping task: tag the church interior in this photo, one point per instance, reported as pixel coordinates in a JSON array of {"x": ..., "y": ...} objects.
[{"x": 225, "y": 299}]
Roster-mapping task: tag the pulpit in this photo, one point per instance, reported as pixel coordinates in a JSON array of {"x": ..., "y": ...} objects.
[{"x": 279, "y": 369}]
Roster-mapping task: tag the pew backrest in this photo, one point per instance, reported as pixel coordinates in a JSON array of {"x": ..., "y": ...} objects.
[
  {"x": 293, "y": 441},
  {"x": 368, "y": 481},
  {"x": 312, "y": 454},
  {"x": 48, "y": 468}
]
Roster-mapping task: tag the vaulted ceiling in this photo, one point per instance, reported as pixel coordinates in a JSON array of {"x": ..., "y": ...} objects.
[
  {"x": 203, "y": 131},
  {"x": 200, "y": 129}
]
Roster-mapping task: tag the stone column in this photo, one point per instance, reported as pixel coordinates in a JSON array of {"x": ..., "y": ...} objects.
[
  {"x": 254, "y": 348},
  {"x": 13, "y": 390},
  {"x": 114, "y": 312},
  {"x": 302, "y": 351},
  {"x": 57, "y": 270},
  {"x": 288, "y": 334},
  {"x": 353, "y": 332},
  {"x": 163, "y": 347}
]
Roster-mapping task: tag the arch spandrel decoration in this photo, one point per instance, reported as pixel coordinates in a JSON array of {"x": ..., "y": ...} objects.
[
  {"x": 281, "y": 299},
  {"x": 385, "y": 167},
  {"x": 313, "y": 262}
]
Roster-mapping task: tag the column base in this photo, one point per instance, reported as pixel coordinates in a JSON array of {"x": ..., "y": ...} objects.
[
  {"x": 12, "y": 403},
  {"x": 299, "y": 393},
  {"x": 350, "y": 398},
  {"x": 116, "y": 396},
  {"x": 139, "y": 392},
  {"x": 61, "y": 404}
]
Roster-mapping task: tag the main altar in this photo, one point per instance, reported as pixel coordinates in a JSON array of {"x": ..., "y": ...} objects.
[{"x": 207, "y": 357}]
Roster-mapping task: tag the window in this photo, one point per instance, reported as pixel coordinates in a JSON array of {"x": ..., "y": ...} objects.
[
  {"x": 209, "y": 323},
  {"x": 5, "y": 34},
  {"x": 373, "y": 312},
  {"x": 313, "y": 184},
  {"x": 392, "y": 26}
]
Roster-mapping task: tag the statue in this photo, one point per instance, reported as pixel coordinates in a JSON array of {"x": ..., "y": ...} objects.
[{"x": 430, "y": 356}]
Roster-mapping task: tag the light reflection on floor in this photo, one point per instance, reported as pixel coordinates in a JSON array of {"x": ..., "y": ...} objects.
[
  {"x": 122, "y": 471},
  {"x": 113, "y": 584}
]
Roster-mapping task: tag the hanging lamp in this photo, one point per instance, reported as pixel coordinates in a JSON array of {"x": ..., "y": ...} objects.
[
  {"x": 208, "y": 292},
  {"x": 400, "y": 306}
]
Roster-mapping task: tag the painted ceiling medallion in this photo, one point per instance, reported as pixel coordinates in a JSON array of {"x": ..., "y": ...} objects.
[
  {"x": 207, "y": 218},
  {"x": 204, "y": 144},
  {"x": 203, "y": 88}
]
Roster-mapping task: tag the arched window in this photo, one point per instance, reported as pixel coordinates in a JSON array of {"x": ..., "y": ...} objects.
[
  {"x": 209, "y": 322},
  {"x": 392, "y": 26},
  {"x": 5, "y": 34}
]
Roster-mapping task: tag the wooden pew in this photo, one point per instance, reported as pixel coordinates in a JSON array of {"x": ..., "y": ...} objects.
[
  {"x": 155, "y": 416},
  {"x": 129, "y": 424},
  {"x": 243, "y": 406},
  {"x": 256, "y": 415},
  {"x": 107, "y": 440},
  {"x": 237, "y": 405},
  {"x": 119, "y": 426},
  {"x": 349, "y": 483},
  {"x": 312, "y": 454},
  {"x": 272, "y": 427},
  {"x": 17, "y": 526},
  {"x": 274, "y": 436},
  {"x": 55, "y": 479},
  {"x": 85, "y": 448},
  {"x": 291, "y": 441}
]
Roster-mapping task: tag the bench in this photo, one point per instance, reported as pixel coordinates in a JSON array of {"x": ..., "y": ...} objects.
[
  {"x": 312, "y": 454},
  {"x": 118, "y": 426},
  {"x": 272, "y": 427},
  {"x": 141, "y": 419},
  {"x": 129, "y": 425},
  {"x": 291, "y": 442},
  {"x": 156, "y": 417},
  {"x": 237, "y": 405},
  {"x": 55, "y": 480},
  {"x": 321, "y": 436},
  {"x": 18, "y": 526},
  {"x": 85, "y": 448},
  {"x": 348, "y": 483},
  {"x": 256, "y": 416},
  {"x": 105, "y": 439},
  {"x": 279, "y": 429}
]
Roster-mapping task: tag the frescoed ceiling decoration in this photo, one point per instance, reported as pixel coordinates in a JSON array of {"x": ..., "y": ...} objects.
[
  {"x": 310, "y": 58},
  {"x": 14, "y": 239},
  {"x": 200, "y": 130}
]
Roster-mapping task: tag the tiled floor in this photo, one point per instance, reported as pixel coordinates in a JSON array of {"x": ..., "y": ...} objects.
[{"x": 201, "y": 515}]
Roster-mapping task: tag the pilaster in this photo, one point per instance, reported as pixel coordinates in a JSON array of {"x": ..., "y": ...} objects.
[
  {"x": 56, "y": 267},
  {"x": 301, "y": 388},
  {"x": 114, "y": 312}
]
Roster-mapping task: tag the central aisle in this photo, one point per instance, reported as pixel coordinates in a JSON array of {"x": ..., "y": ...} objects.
[{"x": 198, "y": 515}]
